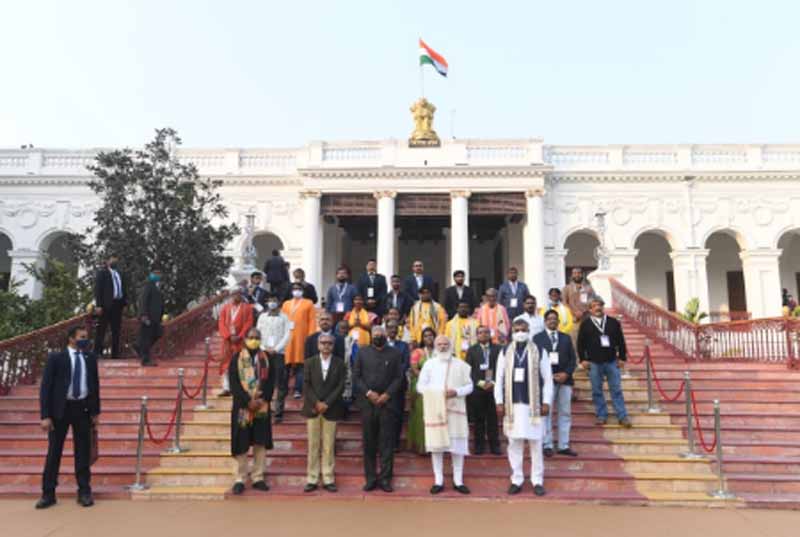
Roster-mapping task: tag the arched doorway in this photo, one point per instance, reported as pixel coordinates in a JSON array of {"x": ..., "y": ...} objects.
[
  {"x": 581, "y": 247},
  {"x": 264, "y": 243},
  {"x": 58, "y": 248},
  {"x": 654, "y": 276},
  {"x": 726, "y": 290},
  {"x": 5, "y": 261},
  {"x": 789, "y": 262}
]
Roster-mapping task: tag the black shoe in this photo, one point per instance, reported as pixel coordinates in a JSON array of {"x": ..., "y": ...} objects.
[
  {"x": 297, "y": 395},
  {"x": 149, "y": 363},
  {"x": 45, "y": 502},
  {"x": 478, "y": 451},
  {"x": 436, "y": 489},
  {"x": 225, "y": 393},
  {"x": 370, "y": 486},
  {"x": 278, "y": 418},
  {"x": 85, "y": 500},
  {"x": 310, "y": 487},
  {"x": 496, "y": 450},
  {"x": 514, "y": 489},
  {"x": 568, "y": 452},
  {"x": 463, "y": 489},
  {"x": 261, "y": 485},
  {"x": 386, "y": 486},
  {"x": 330, "y": 487},
  {"x": 548, "y": 452},
  {"x": 539, "y": 490},
  {"x": 238, "y": 488}
]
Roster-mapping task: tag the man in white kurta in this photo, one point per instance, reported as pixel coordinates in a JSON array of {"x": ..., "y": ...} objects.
[
  {"x": 523, "y": 393},
  {"x": 444, "y": 384}
]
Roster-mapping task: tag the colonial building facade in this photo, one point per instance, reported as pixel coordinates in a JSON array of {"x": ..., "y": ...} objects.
[{"x": 717, "y": 222}]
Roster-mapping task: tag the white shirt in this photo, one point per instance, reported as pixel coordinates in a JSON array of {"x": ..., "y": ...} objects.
[
  {"x": 550, "y": 334},
  {"x": 274, "y": 330},
  {"x": 460, "y": 291},
  {"x": 84, "y": 388},
  {"x": 535, "y": 323},
  {"x": 326, "y": 364},
  {"x": 117, "y": 283},
  {"x": 419, "y": 280}
]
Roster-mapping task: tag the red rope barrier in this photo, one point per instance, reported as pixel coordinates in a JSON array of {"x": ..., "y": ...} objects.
[
  {"x": 669, "y": 399},
  {"x": 158, "y": 441},
  {"x": 200, "y": 386},
  {"x": 706, "y": 447},
  {"x": 644, "y": 355}
]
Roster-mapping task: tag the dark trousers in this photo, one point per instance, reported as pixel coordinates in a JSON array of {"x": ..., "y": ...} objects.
[
  {"x": 148, "y": 335},
  {"x": 484, "y": 414},
  {"x": 76, "y": 415},
  {"x": 398, "y": 402},
  {"x": 378, "y": 428},
  {"x": 111, "y": 316},
  {"x": 284, "y": 372}
]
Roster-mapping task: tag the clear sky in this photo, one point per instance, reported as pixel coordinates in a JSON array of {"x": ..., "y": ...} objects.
[{"x": 281, "y": 73}]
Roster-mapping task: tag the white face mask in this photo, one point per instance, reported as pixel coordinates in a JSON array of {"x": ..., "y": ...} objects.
[
  {"x": 520, "y": 337},
  {"x": 272, "y": 305},
  {"x": 297, "y": 293}
]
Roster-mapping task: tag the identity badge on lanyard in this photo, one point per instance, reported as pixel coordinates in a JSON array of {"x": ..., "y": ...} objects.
[
  {"x": 340, "y": 303},
  {"x": 370, "y": 292},
  {"x": 519, "y": 372},
  {"x": 605, "y": 341}
]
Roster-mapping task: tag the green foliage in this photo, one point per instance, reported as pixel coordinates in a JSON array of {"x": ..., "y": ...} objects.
[
  {"x": 692, "y": 312},
  {"x": 157, "y": 211},
  {"x": 14, "y": 312}
]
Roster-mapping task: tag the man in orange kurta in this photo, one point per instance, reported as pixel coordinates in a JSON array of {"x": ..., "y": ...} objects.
[
  {"x": 495, "y": 317},
  {"x": 235, "y": 319},
  {"x": 302, "y": 323}
]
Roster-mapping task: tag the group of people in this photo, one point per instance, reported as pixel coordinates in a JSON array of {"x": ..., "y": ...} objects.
[{"x": 499, "y": 360}]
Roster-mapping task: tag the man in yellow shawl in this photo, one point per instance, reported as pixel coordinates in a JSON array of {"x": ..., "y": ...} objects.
[
  {"x": 302, "y": 323},
  {"x": 462, "y": 330},
  {"x": 426, "y": 313}
]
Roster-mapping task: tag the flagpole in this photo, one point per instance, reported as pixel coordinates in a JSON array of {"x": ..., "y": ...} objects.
[{"x": 421, "y": 81}]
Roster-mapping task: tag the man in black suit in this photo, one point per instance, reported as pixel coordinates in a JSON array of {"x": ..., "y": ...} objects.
[
  {"x": 458, "y": 293},
  {"x": 277, "y": 275},
  {"x": 325, "y": 375},
  {"x": 602, "y": 351},
  {"x": 110, "y": 299},
  {"x": 309, "y": 291},
  {"x": 325, "y": 323},
  {"x": 418, "y": 280},
  {"x": 69, "y": 397},
  {"x": 397, "y": 298},
  {"x": 377, "y": 376},
  {"x": 482, "y": 359},
  {"x": 371, "y": 284},
  {"x": 399, "y": 401},
  {"x": 151, "y": 310},
  {"x": 557, "y": 346},
  {"x": 256, "y": 295}
]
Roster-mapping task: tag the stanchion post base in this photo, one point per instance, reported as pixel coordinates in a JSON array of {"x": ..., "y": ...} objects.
[
  {"x": 722, "y": 495},
  {"x": 203, "y": 407},
  {"x": 653, "y": 410},
  {"x": 626, "y": 375},
  {"x": 176, "y": 449},
  {"x": 690, "y": 455},
  {"x": 137, "y": 487}
]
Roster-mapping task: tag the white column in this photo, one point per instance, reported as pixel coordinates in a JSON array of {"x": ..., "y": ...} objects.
[
  {"x": 762, "y": 281},
  {"x": 533, "y": 247},
  {"x": 385, "y": 257},
  {"x": 29, "y": 286},
  {"x": 690, "y": 277},
  {"x": 459, "y": 232},
  {"x": 624, "y": 262},
  {"x": 555, "y": 269},
  {"x": 312, "y": 253}
]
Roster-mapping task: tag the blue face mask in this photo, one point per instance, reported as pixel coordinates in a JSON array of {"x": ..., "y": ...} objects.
[
  {"x": 154, "y": 277},
  {"x": 83, "y": 344}
]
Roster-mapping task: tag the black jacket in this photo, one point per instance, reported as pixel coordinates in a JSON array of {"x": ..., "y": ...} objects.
[
  {"x": 104, "y": 288},
  {"x": 404, "y": 303},
  {"x": 410, "y": 287},
  {"x": 378, "y": 289},
  {"x": 275, "y": 270},
  {"x": 567, "y": 360},
  {"x": 589, "y": 342},
  {"x": 151, "y": 303},
  {"x": 329, "y": 390},
  {"x": 55, "y": 383},
  {"x": 380, "y": 371},
  {"x": 451, "y": 300},
  {"x": 260, "y": 433},
  {"x": 310, "y": 347},
  {"x": 475, "y": 359}
]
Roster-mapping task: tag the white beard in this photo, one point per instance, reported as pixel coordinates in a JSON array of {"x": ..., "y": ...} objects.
[{"x": 443, "y": 356}]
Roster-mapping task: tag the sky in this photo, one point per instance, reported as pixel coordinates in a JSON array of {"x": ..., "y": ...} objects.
[{"x": 284, "y": 73}]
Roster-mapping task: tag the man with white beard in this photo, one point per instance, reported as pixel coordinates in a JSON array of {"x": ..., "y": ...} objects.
[
  {"x": 523, "y": 393},
  {"x": 444, "y": 384}
]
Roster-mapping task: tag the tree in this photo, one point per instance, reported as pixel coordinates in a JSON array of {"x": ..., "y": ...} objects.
[{"x": 157, "y": 211}]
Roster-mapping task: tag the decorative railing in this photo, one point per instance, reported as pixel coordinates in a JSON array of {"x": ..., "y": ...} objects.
[
  {"x": 765, "y": 340},
  {"x": 727, "y": 316},
  {"x": 22, "y": 357}
]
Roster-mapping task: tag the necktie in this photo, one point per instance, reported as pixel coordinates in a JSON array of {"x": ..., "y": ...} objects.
[
  {"x": 77, "y": 373},
  {"x": 553, "y": 339},
  {"x": 371, "y": 279}
]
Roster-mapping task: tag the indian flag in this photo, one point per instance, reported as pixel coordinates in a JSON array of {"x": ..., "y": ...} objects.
[{"x": 428, "y": 55}]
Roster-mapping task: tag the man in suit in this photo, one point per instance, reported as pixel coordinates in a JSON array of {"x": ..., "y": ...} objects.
[
  {"x": 399, "y": 402},
  {"x": 256, "y": 295},
  {"x": 309, "y": 291},
  {"x": 151, "y": 309},
  {"x": 377, "y": 377},
  {"x": 397, "y": 298},
  {"x": 277, "y": 275},
  {"x": 110, "y": 299},
  {"x": 339, "y": 299},
  {"x": 512, "y": 293},
  {"x": 602, "y": 351},
  {"x": 325, "y": 324},
  {"x": 69, "y": 397},
  {"x": 458, "y": 293},
  {"x": 418, "y": 280},
  {"x": 482, "y": 359},
  {"x": 557, "y": 346},
  {"x": 325, "y": 375},
  {"x": 371, "y": 284}
]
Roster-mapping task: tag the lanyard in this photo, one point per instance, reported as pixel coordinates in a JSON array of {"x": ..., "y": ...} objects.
[
  {"x": 601, "y": 325},
  {"x": 520, "y": 357},
  {"x": 342, "y": 292}
]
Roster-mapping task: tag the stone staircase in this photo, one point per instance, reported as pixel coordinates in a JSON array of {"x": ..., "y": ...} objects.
[{"x": 761, "y": 433}]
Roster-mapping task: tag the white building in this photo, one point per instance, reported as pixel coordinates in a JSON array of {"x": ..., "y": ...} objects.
[{"x": 717, "y": 222}]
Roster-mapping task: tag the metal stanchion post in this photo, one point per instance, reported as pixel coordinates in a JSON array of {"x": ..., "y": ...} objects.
[
  {"x": 690, "y": 453},
  {"x": 206, "y": 370},
  {"x": 651, "y": 405},
  {"x": 138, "y": 485},
  {"x": 721, "y": 493},
  {"x": 176, "y": 448}
]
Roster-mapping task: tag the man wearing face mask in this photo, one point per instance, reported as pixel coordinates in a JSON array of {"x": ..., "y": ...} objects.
[
  {"x": 377, "y": 377},
  {"x": 302, "y": 318},
  {"x": 274, "y": 328},
  {"x": 69, "y": 397},
  {"x": 523, "y": 393},
  {"x": 151, "y": 310},
  {"x": 444, "y": 384},
  {"x": 252, "y": 381}
]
